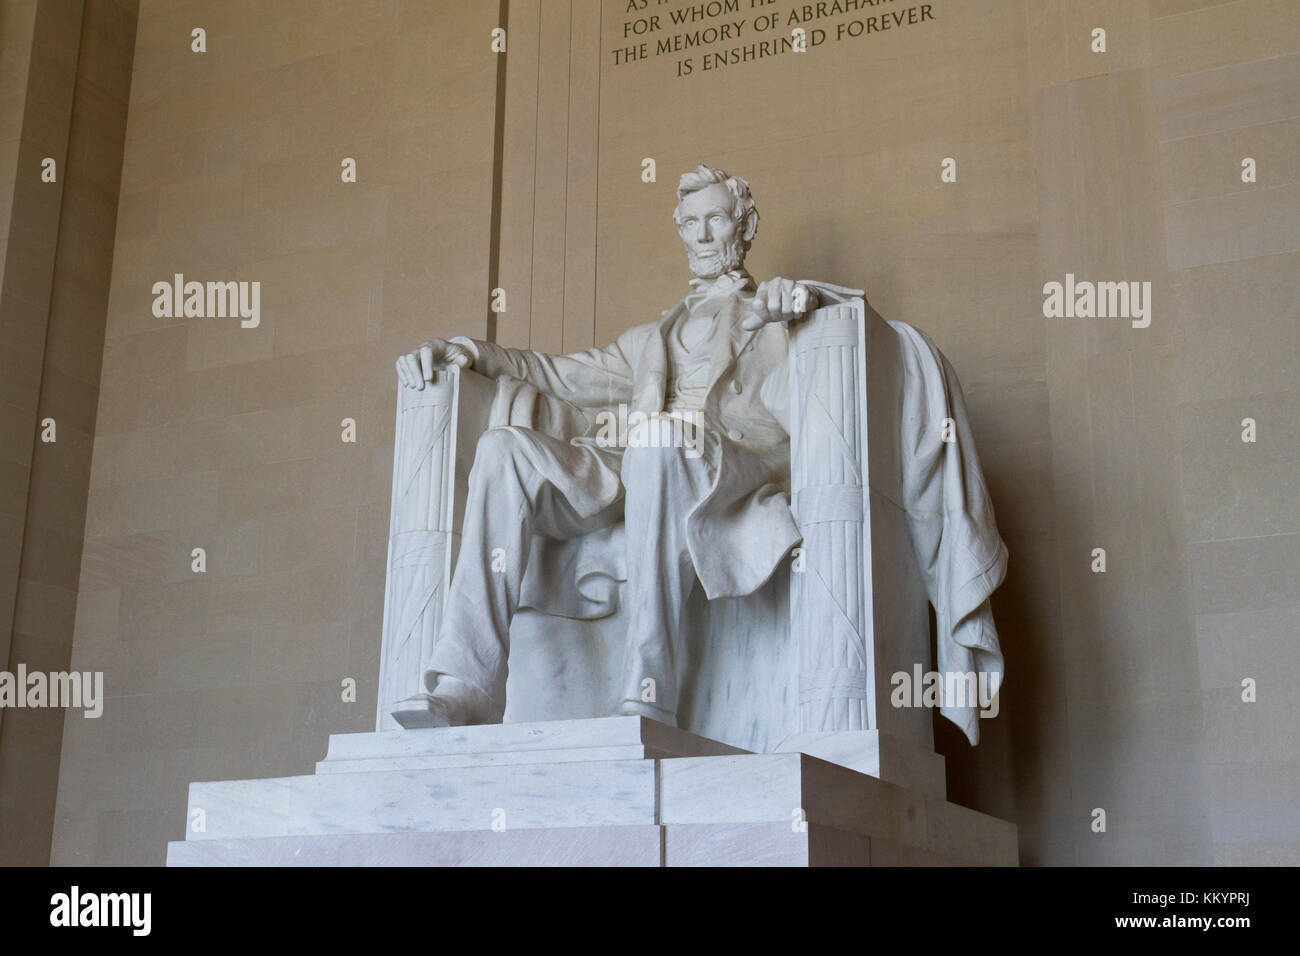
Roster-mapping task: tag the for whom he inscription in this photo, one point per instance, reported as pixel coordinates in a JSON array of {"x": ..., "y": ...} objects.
[{"x": 773, "y": 29}]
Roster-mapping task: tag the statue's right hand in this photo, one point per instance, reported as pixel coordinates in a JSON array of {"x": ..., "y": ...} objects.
[{"x": 417, "y": 367}]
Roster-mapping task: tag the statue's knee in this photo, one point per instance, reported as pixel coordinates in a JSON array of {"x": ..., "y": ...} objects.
[{"x": 497, "y": 450}]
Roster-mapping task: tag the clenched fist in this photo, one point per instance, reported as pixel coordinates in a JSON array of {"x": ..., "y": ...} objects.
[
  {"x": 416, "y": 368},
  {"x": 780, "y": 300}
]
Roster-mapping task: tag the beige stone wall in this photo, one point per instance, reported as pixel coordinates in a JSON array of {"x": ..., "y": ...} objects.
[
  {"x": 39, "y": 66},
  {"x": 1139, "y": 172},
  {"x": 1123, "y": 687},
  {"x": 1233, "y": 253},
  {"x": 67, "y": 71},
  {"x": 215, "y": 436}
]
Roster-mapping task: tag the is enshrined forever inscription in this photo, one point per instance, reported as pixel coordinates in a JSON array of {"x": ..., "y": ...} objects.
[{"x": 711, "y": 35}]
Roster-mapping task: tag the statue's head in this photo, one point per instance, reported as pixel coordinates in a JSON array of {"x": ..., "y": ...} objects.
[{"x": 716, "y": 219}]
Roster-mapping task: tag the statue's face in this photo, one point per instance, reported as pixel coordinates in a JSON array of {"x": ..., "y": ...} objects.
[{"x": 714, "y": 239}]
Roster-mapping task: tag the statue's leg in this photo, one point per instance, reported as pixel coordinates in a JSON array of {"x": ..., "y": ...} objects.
[
  {"x": 522, "y": 482},
  {"x": 662, "y": 482}
]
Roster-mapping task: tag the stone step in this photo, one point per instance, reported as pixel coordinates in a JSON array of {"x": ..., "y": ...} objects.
[
  {"x": 572, "y": 846},
  {"x": 763, "y": 788},
  {"x": 520, "y": 796},
  {"x": 704, "y": 844},
  {"x": 787, "y": 789},
  {"x": 557, "y": 741}
]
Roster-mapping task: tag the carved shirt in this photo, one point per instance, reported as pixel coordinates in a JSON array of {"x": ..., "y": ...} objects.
[
  {"x": 690, "y": 343},
  {"x": 688, "y": 357}
]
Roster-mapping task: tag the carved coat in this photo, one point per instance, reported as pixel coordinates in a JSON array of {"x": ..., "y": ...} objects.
[
  {"x": 739, "y": 532},
  {"x": 742, "y": 528}
]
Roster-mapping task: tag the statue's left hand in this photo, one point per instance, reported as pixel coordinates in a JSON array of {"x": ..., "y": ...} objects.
[{"x": 780, "y": 300}]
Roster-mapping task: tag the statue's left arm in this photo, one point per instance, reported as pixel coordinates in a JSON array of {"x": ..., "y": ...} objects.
[{"x": 781, "y": 300}]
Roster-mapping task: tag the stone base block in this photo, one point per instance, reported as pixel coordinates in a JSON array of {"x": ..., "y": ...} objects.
[
  {"x": 878, "y": 754},
  {"x": 572, "y": 846},
  {"x": 555, "y": 741},
  {"x": 620, "y": 791}
]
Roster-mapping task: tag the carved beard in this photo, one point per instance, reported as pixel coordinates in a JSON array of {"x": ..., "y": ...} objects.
[{"x": 708, "y": 267}]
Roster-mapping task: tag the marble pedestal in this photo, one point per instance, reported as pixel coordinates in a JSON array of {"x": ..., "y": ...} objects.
[{"x": 613, "y": 791}]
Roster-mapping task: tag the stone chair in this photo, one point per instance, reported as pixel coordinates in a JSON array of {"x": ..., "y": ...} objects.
[{"x": 804, "y": 664}]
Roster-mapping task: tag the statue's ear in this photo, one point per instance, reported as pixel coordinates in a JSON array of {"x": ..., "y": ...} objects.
[{"x": 751, "y": 225}]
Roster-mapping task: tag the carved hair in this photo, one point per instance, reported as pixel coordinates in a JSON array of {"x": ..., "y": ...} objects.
[{"x": 743, "y": 209}]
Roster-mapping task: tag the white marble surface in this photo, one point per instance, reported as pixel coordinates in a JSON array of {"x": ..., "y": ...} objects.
[
  {"x": 763, "y": 844},
  {"x": 770, "y": 787},
  {"x": 572, "y": 846},
  {"x": 738, "y": 844},
  {"x": 617, "y": 792},
  {"x": 701, "y": 844},
  {"x": 561, "y": 741},
  {"x": 878, "y": 754},
  {"x": 500, "y": 759},
  {"x": 740, "y": 671},
  {"x": 733, "y": 807}
]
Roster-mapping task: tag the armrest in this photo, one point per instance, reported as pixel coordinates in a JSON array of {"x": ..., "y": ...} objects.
[
  {"x": 433, "y": 449},
  {"x": 853, "y": 605},
  {"x": 830, "y": 597}
]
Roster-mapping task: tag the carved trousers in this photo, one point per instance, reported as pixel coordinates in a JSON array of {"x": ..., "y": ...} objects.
[{"x": 525, "y": 482}]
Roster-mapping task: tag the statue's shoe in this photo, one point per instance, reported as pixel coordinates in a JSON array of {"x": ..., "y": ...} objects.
[
  {"x": 426, "y": 710},
  {"x": 636, "y": 708}
]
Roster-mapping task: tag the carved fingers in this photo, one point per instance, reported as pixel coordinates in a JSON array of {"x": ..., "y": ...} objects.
[
  {"x": 416, "y": 368},
  {"x": 457, "y": 355},
  {"x": 408, "y": 371},
  {"x": 780, "y": 300}
]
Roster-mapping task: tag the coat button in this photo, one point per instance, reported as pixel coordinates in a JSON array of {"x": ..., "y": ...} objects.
[
  {"x": 735, "y": 435},
  {"x": 735, "y": 386}
]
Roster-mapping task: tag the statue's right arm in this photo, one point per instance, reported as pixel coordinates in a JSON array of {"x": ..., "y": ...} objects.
[{"x": 594, "y": 377}]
